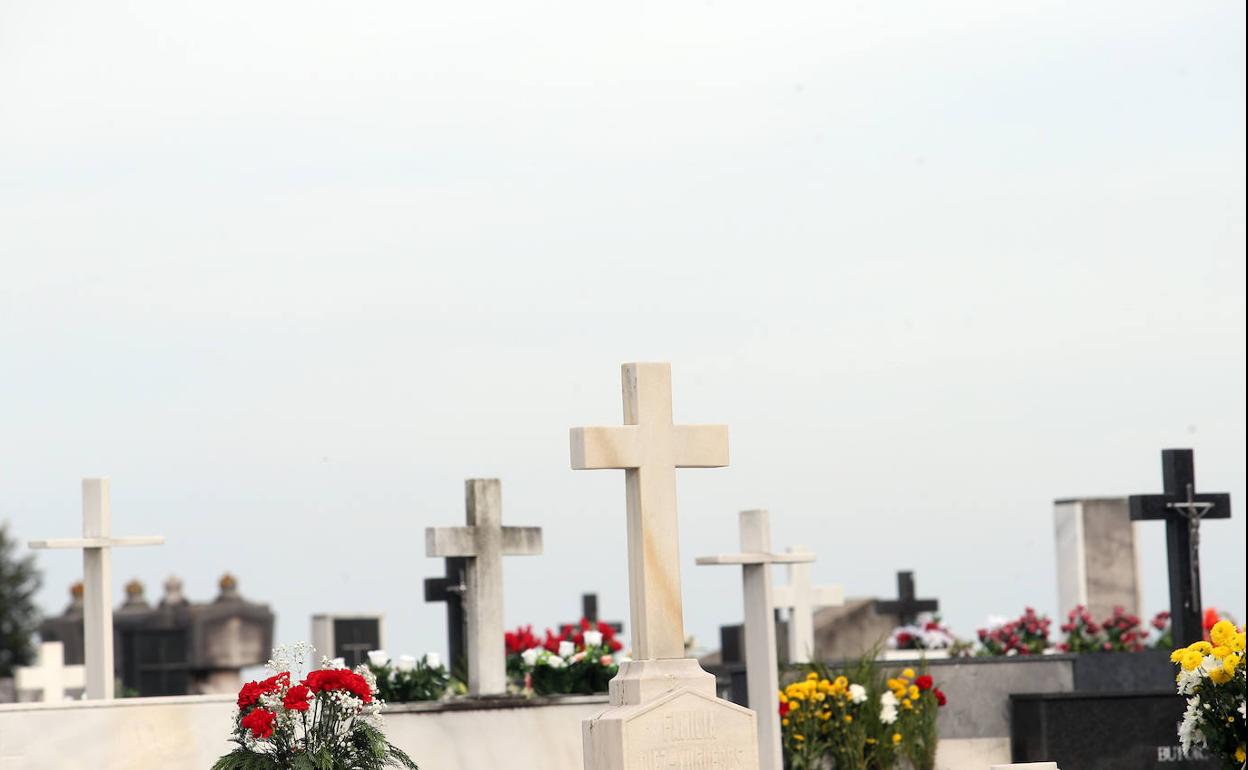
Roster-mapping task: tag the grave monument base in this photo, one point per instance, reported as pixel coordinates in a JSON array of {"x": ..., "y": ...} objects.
[{"x": 663, "y": 714}]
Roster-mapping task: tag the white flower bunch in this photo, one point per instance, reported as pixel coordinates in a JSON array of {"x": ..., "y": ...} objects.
[
  {"x": 888, "y": 708},
  {"x": 858, "y": 693}
]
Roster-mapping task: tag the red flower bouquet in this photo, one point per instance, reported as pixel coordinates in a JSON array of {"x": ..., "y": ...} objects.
[{"x": 331, "y": 719}]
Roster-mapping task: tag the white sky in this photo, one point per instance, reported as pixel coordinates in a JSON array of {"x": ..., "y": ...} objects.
[{"x": 290, "y": 272}]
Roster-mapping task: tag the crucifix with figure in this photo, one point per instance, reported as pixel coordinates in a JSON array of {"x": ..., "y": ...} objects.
[
  {"x": 660, "y": 686},
  {"x": 97, "y": 543},
  {"x": 1182, "y": 508},
  {"x": 484, "y": 543},
  {"x": 905, "y": 606}
]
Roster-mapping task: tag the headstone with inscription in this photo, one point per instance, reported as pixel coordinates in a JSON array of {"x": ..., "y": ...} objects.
[{"x": 663, "y": 712}]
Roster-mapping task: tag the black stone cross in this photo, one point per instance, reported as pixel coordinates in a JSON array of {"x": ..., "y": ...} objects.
[
  {"x": 450, "y": 589},
  {"x": 905, "y": 606},
  {"x": 1182, "y": 510},
  {"x": 589, "y": 611}
]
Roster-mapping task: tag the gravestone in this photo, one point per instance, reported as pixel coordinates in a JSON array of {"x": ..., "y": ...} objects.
[
  {"x": 96, "y": 544},
  {"x": 762, "y": 676},
  {"x": 484, "y": 543},
  {"x": 1182, "y": 509},
  {"x": 1082, "y": 731},
  {"x": 350, "y": 637},
  {"x": 906, "y": 607},
  {"x": 50, "y": 679},
  {"x": 802, "y": 599},
  {"x": 663, "y": 711},
  {"x": 1096, "y": 558},
  {"x": 450, "y": 589}
]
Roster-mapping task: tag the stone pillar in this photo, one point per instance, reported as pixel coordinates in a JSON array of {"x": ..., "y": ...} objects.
[{"x": 1096, "y": 557}]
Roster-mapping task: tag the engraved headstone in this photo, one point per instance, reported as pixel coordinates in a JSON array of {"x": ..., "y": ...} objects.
[{"x": 663, "y": 712}]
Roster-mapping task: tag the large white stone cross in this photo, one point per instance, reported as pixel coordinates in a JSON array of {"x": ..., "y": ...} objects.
[
  {"x": 51, "y": 678},
  {"x": 762, "y": 679},
  {"x": 649, "y": 449},
  {"x": 97, "y": 577},
  {"x": 485, "y": 541},
  {"x": 801, "y": 599}
]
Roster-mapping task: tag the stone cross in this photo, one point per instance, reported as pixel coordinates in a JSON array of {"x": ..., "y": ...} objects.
[
  {"x": 762, "y": 677},
  {"x": 1182, "y": 509},
  {"x": 905, "y": 606},
  {"x": 649, "y": 448},
  {"x": 450, "y": 589},
  {"x": 51, "y": 678},
  {"x": 663, "y": 710},
  {"x": 484, "y": 543},
  {"x": 97, "y": 575},
  {"x": 802, "y": 599}
]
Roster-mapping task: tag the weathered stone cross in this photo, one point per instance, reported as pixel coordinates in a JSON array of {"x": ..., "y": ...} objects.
[
  {"x": 762, "y": 679},
  {"x": 484, "y": 542},
  {"x": 1182, "y": 509},
  {"x": 906, "y": 607},
  {"x": 97, "y": 576},
  {"x": 51, "y": 678},
  {"x": 649, "y": 449},
  {"x": 802, "y": 598},
  {"x": 450, "y": 589}
]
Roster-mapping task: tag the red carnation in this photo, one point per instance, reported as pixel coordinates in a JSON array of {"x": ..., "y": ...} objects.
[
  {"x": 251, "y": 692},
  {"x": 784, "y": 709},
  {"x": 297, "y": 698},
  {"x": 940, "y": 697},
  {"x": 339, "y": 679},
  {"x": 260, "y": 722},
  {"x": 923, "y": 682}
]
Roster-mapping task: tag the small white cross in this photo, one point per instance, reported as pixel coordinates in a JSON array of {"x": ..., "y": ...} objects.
[
  {"x": 762, "y": 679},
  {"x": 97, "y": 576},
  {"x": 51, "y": 678},
  {"x": 649, "y": 449},
  {"x": 485, "y": 541},
  {"x": 801, "y": 598}
]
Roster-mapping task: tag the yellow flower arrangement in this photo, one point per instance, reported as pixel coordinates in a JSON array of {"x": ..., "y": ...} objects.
[{"x": 1213, "y": 680}]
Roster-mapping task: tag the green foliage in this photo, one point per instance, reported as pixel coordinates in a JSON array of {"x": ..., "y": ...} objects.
[
  {"x": 241, "y": 759},
  {"x": 19, "y": 618},
  {"x": 419, "y": 683}
]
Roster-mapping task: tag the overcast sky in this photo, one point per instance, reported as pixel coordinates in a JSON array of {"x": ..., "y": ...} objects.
[{"x": 289, "y": 273}]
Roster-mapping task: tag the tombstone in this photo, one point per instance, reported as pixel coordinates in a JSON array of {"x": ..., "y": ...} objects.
[
  {"x": 484, "y": 543},
  {"x": 589, "y": 611},
  {"x": 152, "y": 647},
  {"x": 905, "y": 606},
  {"x": 803, "y": 599},
  {"x": 1122, "y": 731},
  {"x": 96, "y": 544},
  {"x": 226, "y": 635},
  {"x": 51, "y": 679},
  {"x": 663, "y": 712},
  {"x": 450, "y": 589},
  {"x": 1096, "y": 560},
  {"x": 1182, "y": 509},
  {"x": 762, "y": 677},
  {"x": 350, "y": 637}
]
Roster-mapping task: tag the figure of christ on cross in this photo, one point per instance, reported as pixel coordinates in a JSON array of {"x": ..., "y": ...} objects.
[
  {"x": 649, "y": 448},
  {"x": 1182, "y": 509}
]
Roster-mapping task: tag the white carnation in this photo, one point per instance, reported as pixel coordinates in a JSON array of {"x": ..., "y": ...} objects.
[
  {"x": 405, "y": 663},
  {"x": 529, "y": 656},
  {"x": 378, "y": 658},
  {"x": 858, "y": 693},
  {"x": 593, "y": 638},
  {"x": 566, "y": 649}
]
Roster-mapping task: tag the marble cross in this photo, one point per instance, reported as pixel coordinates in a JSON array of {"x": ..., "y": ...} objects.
[
  {"x": 762, "y": 679},
  {"x": 649, "y": 448},
  {"x": 802, "y": 598},
  {"x": 97, "y": 575},
  {"x": 51, "y": 678},
  {"x": 484, "y": 543},
  {"x": 1182, "y": 509}
]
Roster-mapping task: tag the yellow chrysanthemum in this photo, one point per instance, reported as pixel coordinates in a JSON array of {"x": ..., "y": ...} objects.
[
  {"x": 1237, "y": 642},
  {"x": 1190, "y": 660},
  {"x": 1240, "y": 756},
  {"x": 849, "y": 718},
  {"x": 1177, "y": 655},
  {"x": 906, "y": 704},
  {"x": 896, "y": 738},
  {"x": 1221, "y": 632},
  {"x": 1220, "y": 652},
  {"x": 1202, "y": 647},
  {"x": 1230, "y": 663},
  {"x": 913, "y": 692},
  {"x": 908, "y": 673},
  {"x": 1220, "y": 676},
  {"x": 799, "y": 737}
]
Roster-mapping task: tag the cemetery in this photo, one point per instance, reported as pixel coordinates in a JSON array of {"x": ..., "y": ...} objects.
[
  {"x": 771, "y": 698},
  {"x": 867, "y": 382}
]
